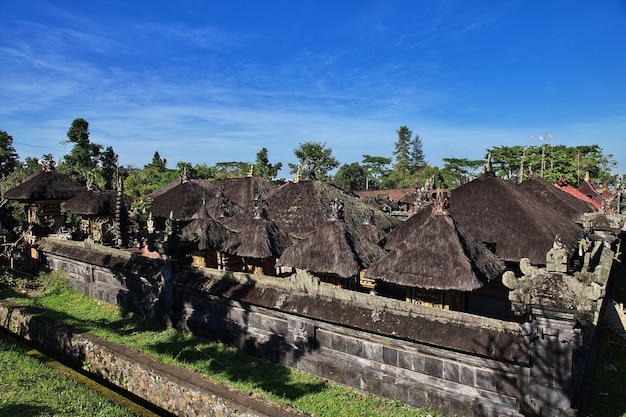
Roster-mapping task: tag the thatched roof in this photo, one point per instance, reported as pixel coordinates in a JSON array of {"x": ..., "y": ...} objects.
[
  {"x": 438, "y": 254},
  {"x": 94, "y": 203},
  {"x": 186, "y": 198},
  {"x": 258, "y": 238},
  {"x": 509, "y": 220},
  {"x": 333, "y": 248},
  {"x": 241, "y": 190},
  {"x": 398, "y": 235},
  {"x": 211, "y": 188},
  {"x": 205, "y": 232},
  {"x": 551, "y": 196},
  {"x": 300, "y": 208},
  {"x": 45, "y": 186}
]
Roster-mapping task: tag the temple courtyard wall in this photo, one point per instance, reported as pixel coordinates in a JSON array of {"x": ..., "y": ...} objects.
[{"x": 457, "y": 363}]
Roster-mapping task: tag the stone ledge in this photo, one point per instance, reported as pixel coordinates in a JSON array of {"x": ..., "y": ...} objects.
[{"x": 172, "y": 388}]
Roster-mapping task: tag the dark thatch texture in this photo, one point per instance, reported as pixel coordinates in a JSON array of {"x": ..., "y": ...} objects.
[
  {"x": 333, "y": 248},
  {"x": 205, "y": 232},
  {"x": 45, "y": 186},
  {"x": 258, "y": 239},
  {"x": 210, "y": 188},
  {"x": 401, "y": 233},
  {"x": 99, "y": 203},
  {"x": 553, "y": 197},
  {"x": 300, "y": 208},
  {"x": 438, "y": 254},
  {"x": 241, "y": 190},
  {"x": 508, "y": 220},
  {"x": 186, "y": 199}
]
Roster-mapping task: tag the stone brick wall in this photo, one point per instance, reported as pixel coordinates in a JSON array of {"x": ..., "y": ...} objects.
[{"x": 457, "y": 363}]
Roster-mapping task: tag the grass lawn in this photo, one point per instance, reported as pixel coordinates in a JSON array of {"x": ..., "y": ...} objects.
[
  {"x": 217, "y": 361},
  {"x": 30, "y": 388}
]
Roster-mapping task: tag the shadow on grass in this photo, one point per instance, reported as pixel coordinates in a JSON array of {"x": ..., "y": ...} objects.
[
  {"x": 25, "y": 410},
  {"x": 214, "y": 359}
]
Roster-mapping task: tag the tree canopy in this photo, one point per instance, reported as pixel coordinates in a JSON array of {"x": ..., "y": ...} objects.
[
  {"x": 9, "y": 160},
  {"x": 314, "y": 158},
  {"x": 351, "y": 176},
  {"x": 83, "y": 157}
]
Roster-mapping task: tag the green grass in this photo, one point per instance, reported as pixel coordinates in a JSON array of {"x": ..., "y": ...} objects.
[
  {"x": 217, "y": 361},
  {"x": 30, "y": 388}
]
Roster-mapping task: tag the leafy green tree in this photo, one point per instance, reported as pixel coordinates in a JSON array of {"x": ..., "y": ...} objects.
[
  {"x": 570, "y": 163},
  {"x": 236, "y": 169},
  {"x": 83, "y": 158},
  {"x": 352, "y": 176},
  {"x": 376, "y": 167},
  {"x": 263, "y": 168},
  {"x": 457, "y": 171},
  {"x": 204, "y": 171},
  {"x": 314, "y": 157},
  {"x": 158, "y": 163},
  {"x": 9, "y": 159},
  {"x": 108, "y": 161}
]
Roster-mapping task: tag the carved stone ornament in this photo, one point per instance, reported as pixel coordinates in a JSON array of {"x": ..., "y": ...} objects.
[{"x": 441, "y": 201}]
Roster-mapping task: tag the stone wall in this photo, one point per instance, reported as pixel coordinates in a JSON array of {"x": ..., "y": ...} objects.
[
  {"x": 173, "y": 389},
  {"x": 453, "y": 362}
]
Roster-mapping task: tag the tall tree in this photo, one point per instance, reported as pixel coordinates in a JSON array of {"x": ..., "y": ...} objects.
[
  {"x": 351, "y": 177},
  {"x": 108, "y": 161},
  {"x": 9, "y": 159},
  {"x": 263, "y": 168},
  {"x": 83, "y": 158},
  {"x": 315, "y": 158},
  {"x": 402, "y": 150},
  {"x": 416, "y": 154}
]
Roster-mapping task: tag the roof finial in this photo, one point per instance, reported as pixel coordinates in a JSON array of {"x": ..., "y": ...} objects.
[
  {"x": 587, "y": 177},
  {"x": 441, "y": 201},
  {"x": 336, "y": 210},
  {"x": 298, "y": 177},
  {"x": 251, "y": 171}
]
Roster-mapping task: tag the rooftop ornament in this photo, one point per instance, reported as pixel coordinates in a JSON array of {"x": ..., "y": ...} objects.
[
  {"x": 336, "y": 210},
  {"x": 259, "y": 205},
  {"x": 441, "y": 201}
]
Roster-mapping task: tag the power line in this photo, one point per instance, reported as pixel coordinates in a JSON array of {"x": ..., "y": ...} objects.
[{"x": 38, "y": 146}]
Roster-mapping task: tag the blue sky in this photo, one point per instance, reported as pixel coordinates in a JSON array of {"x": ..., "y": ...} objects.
[{"x": 208, "y": 82}]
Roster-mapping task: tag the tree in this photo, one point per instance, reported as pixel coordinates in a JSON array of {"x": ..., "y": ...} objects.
[
  {"x": 157, "y": 163},
  {"x": 83, "y": 157},
  {"x": 416, "y": 154},
  {"x": 402, "y": 150},
  {"x": 108, "y": 161},
  {"x": 9, "y": 159},
  {"x": 458, "y": 171},
  {"x": 263, "y": 168},
  {"x": 351, "y": 177},
  {"x": 315, "y": 158},
  {"x": 375, "y": 167}
]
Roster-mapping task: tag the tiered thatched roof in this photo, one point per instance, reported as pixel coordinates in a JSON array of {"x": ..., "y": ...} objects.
[
  {"x": 300, "y": 208},
  {"x": 562, "y": 202},
  {"x": 241, "y": 190},
  {"x": 185, "y": 198},
  {"x": 333, "y": 248},
  {"x": 438, "y": 254},
  {"x": 94, "y": 203},
  {"x": 205, "y": 232},
  {"x": 510, "y": 221},
  {"x": 258, "y": 237},
  {"x": 45, "y": 186}
]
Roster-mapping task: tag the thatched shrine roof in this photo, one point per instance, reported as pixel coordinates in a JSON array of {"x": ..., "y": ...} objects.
[
  {"x": 510, "y": 221},
  {"x": 300, "y": 208},
  {"x": 258, "y": 238},
  {"x": 205, "y": 231},
  {"x": 333, "y": 248},
  {"x": 94, "y": 203},
  {"x": 211, "y": 188},
  {"x": 186, "y": 198},
  {"x": 45, "y": 186},
  {"x": 241, "y": 190},
  {"x": 553, "y": 197},
  {"x": 438, "y": 254}
]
